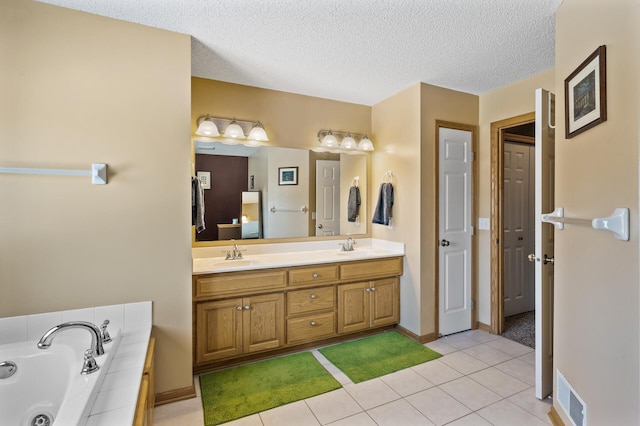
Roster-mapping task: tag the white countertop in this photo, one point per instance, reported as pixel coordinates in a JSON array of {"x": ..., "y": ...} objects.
[{"x": 264, "y": 256}]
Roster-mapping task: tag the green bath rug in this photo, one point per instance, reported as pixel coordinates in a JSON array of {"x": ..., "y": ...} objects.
[
  {"x": 249, "y": 389},
  {"x": 375, "y": 356}
]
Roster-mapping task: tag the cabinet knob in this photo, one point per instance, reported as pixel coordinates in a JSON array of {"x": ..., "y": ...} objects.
[
  {"x": 247, "y": 307},
  {"x": 239, "y": 308},
  {"x": 313, "y": 296},
  {"x": 313, "y": 323},
  {"x": 367, "y": 289},
  {"x": 373, "y": 289},
  {"x": 315, "y": 275}
]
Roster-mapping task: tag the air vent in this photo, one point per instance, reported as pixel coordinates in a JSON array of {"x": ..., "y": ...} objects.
[{"x": 571, "y": 403}]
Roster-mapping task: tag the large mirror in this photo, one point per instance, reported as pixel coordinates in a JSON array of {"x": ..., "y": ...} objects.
[{"x": 255, "y": 193}]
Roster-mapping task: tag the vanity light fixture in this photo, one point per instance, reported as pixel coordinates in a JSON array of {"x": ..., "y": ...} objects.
[
  {"x": 235, "y": 131},
  {"x": 329, "y": 142}
]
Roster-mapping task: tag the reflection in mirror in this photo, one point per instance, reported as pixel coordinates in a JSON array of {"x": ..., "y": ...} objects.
[{"x": 300, "y": 193}]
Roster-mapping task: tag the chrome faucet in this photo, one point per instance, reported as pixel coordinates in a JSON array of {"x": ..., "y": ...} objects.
[
  {"x": 348, "y": 245},
  {"x": 96, "y": 336},
  {"x": 234, "y": 253}
]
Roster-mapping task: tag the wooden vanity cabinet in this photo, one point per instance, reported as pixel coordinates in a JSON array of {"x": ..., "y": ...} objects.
[
  {"x": 146, "y": 395},
  {"x": 246, "y": 312},
  {"x": 232, "y": 327},
  {"x": 368, "y": 304}
]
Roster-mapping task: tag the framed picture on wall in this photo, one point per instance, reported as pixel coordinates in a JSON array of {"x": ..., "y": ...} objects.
[
  {"x": 585, "y": 94},
  {"x": 287, "y": 175}
]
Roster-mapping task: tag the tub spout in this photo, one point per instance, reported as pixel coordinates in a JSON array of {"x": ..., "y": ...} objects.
[{"x": 96, "y": 337}]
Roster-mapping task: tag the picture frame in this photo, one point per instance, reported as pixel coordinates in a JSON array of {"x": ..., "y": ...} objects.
[
  {"x": 585, "y": 93},
  {"x": 287, "y": 175}
]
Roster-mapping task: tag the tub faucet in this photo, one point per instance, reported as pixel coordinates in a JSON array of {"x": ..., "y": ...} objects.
[{"x": 96, "y": 336}]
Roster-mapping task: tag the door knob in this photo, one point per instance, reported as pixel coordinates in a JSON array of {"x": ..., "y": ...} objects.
[
  {"x": 320, "y": 226},
  {"x": 444, "y": 243},
  {"x": 548, "y": 260},
  {"x": 531, "y": 257}
]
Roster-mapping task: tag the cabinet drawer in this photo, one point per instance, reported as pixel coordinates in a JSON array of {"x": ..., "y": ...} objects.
[
  {"x": 371, "y": 269},
  {"x": 309, "y": 300},
  {"x": 238, "y": 283},
  {"x": 309, "y": 328},
  {"x": 313, "y": 275}
]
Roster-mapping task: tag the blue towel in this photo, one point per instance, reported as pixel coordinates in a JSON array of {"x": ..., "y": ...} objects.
[
  {"x": 353, "y": 204},
  {"x": 382, "y": 213}
]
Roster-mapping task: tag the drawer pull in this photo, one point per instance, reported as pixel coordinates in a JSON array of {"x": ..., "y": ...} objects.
[
  {"x": 313, "y": 296},
  {"x": 315, "y": 275},
  {"x": 247, "y": 307},
  {"x": 313, "y": 323}
]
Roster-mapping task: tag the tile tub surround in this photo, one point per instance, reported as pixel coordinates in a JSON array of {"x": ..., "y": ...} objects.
[
  {"x": 115, "y": 400},
  {"x": 210, "y": 259}
]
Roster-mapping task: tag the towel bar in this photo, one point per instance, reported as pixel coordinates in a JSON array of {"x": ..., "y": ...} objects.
[
  {"x": 616, "y": 223},
  {"x": 98, "y": 172}
]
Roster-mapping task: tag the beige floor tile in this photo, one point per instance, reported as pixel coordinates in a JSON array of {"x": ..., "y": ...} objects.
[
  {"x": 361, "y": 419},
  {"x": 333, "y": 406},
  {"x": 438, "y": 406},
  {"x": 529, "y": 358},
  {"x": 509, "y": 346},
  {"x": 398, "y": 412},
  {"x": 471, "y": 420},
  {"x": 470, "y": 393},
  {"x": 294, "y": 414},
  {"x": 528, "y": 401},
  {"x": 499, "y": 382},
  {"x": 441, "y": 347},
  {"x": 436, "y": 372},
  {"x": 253, "y": 420},
  {"x": 506, "y": 413},
  {"x": 487, "y": 354},
  {"x": 466, "y": 364},
  {"x": 459, "y": 341},
  {"x": 406, "y": 382},
  {"x": 181, "y": 413},
  {"x": 520, "y": 370},
  {"x": 371, "y": 393},
  {"x": 480, "y": 336}
]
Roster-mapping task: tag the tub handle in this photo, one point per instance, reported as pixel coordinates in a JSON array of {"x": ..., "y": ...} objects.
[{"x": 90, "y": 365}]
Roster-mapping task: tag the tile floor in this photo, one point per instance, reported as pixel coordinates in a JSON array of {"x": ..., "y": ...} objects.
[{"x": 482, "y": 379}]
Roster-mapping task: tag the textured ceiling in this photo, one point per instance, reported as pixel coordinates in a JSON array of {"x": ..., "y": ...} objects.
[{"x": 360, "y": 51}]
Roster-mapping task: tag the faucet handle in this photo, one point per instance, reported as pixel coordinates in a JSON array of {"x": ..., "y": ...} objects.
[
  {"x": 106, "y": 338},
  {"x": 90, "y": 365}
]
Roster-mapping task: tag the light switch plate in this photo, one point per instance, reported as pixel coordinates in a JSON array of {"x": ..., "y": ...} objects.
[{"x": 484, "y": 224}]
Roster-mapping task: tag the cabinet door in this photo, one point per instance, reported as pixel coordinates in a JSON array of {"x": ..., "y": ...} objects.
[
  {"x": 385, "y": 302},
  {"x": 263, "y": 322},
  {"x": 219, "y": 330},
  {"x": 353, "y": 307}
]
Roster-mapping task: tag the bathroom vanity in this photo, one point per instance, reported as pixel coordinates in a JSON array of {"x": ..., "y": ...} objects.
[{"x": 280, "y": 302}]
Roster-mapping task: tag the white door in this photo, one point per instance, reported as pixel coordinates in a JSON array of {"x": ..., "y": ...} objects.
[
  {"x": 455, "y": 229},
  {"x": 518, "y": 227},
  {"x": 545, "y": 170},
  {"x": 327, "y": 197}
]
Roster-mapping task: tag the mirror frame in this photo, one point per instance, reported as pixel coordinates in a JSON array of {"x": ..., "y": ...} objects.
[{"x": 223, "y": 243}]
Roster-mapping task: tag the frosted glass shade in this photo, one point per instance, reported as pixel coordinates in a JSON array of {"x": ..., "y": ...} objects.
[
  {"x": 348, "y": 142},
  {"x": 234, "y": 131},
  {"x": 258, "y": 133},
  {"x": 365, "y": 144},
  {"x": 207, "y": 128},
  {"x": 329, "y": 141}
]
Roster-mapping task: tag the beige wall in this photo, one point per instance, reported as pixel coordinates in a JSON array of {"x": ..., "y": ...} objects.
[
  {"x": 506, "y": 102},
  {"x": 404, "y": 128},
  {"x": 596, "y": 276},
  {"x": 77, "y": 89}
]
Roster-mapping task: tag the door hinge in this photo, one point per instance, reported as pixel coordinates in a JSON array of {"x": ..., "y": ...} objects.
[
  {"x": 473, "y": 156},
  {"x": 473, "y": 230},
  {"x": 471, "y": 304}
]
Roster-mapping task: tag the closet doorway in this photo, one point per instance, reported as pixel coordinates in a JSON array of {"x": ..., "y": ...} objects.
[{"x": 512, "y": 219}]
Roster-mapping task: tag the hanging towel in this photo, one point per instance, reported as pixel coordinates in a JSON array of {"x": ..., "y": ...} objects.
[
  {"x": 197, "y": 205},
  {"x": 353, "y": 204},
  {"x": 382, "y": 213}
]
